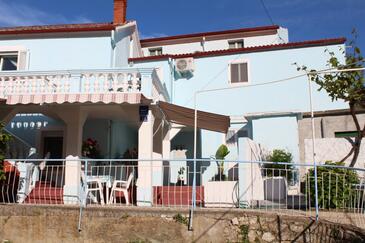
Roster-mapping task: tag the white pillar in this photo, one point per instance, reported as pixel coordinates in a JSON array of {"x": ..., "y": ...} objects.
[
  {"x": 166, "y": 144},
  {"x": 251, "y": 183},
  {"x": 166, "y": 153},
  {"x": 145, "y": 152},
  {"x": 72, "y": 188},
  {"x": 74, "y": 119}
]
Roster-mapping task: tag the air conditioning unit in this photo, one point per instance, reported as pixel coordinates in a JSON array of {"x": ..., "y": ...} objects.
[{"x": 185, "y": 65}]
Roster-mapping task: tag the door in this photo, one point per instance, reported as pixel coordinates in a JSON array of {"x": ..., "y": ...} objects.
[{"x": 54, "y": 146}]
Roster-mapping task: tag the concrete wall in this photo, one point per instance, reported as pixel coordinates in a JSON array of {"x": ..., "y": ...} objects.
[
  {"x": 115, "y": 141},
  {"x": 325, "y": 127},
  {"x": 332, "y": 149},
  {"x": 98, "y": 129},
  {"x": 64, "y": 53},
  {"x": 124, "y": 137},
  {"x": 46, "y": 224}
]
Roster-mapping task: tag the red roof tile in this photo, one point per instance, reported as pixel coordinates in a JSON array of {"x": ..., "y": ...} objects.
[
  {"x": 262, "y": 28},
  {"x": 291, "y": 45},
  {"x": 57, "y": 28}
]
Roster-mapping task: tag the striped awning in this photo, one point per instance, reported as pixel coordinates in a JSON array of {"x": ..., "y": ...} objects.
[{"x": 106, "y": 98}]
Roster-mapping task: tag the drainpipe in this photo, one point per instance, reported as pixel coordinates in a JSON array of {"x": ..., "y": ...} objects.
[
  {"x": 171, "y": 65},
  {"x": 113, "y": 45},
  {"x": 110, "y": 123},
  {"x": 202, "y": 43}
]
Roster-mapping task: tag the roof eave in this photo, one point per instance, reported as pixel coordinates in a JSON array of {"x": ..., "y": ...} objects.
[{"x": 68, "y": 28}]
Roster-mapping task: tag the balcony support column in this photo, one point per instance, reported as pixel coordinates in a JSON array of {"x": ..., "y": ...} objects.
[
  {"x": 146, "y": 84},
  {"x": 74, "y": 118},
  {"x": 145, "y": 152}
]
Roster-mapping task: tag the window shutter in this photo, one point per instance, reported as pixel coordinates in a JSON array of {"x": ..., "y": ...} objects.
[
  {"x": 243, "y": 72},
  {"x": 22, "y": 60},
  {"x": 234, "y": 73}
]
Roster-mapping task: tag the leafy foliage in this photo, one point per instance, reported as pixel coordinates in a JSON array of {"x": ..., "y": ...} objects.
[
  {"x": 273, "y": 169},
  {"x": 4, "y": 139},
  {"x": 348, "y": 86},
  {"x": 244, "y": 230},
  {"x": 336, "y": 186},
  {"x": 90, "y": 148},
  {"x": 222, "y": 152},
  {"x": 181, "y": 219},
  {"x": 220, "y": 155}
]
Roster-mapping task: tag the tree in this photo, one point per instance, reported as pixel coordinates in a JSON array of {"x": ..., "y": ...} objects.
[
  {"x": 275, "y": 169},
  {"x": 346, "y": 86}
]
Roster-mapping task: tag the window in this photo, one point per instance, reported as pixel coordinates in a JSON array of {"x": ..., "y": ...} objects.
[
  {"x": 239, "y": 73},
  {"x": 349, "y": 134},
  {"x": 234, "y": 44},
  {"x": 8, "y": 62},
  {"x": 13, "y": 58},
  {"x": 155, "y": 51}
]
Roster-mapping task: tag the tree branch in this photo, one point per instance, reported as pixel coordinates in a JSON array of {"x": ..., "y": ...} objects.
[
  {"x": 349, "y": 154},
  {"x": 354, "y": 117}
]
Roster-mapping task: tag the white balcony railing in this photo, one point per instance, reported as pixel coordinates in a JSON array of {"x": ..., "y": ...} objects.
[{"x": 82, "y": 82}]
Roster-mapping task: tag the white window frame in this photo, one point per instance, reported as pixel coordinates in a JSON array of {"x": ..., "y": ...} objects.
[
  {"x": 239, "y": 61},
  {"x": 155, "y": 49},
  {"x": 15, "y": 51},
  {"x": 235, "y": 41},
  {"x": 8, "y": 54}
]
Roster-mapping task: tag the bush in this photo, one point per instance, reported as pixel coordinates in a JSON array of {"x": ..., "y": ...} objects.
[
  {"x": 272, "y": 169},
  {"x": 336, "y": 186},
  {"x": 4, "y": 139}
]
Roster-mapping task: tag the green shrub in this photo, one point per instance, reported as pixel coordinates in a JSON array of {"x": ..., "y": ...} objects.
[
  {"x": 336, "y": 186},
  {"x": 181, "y": 219},
  {"x": 272, "y": 169},
  {"x": 4, "y": 139},
  {"x": 244, "y": 230}
]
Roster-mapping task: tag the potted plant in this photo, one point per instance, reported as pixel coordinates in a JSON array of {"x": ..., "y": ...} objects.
[
  {"x": 90, "y": 149},
  {"x": 220, "y": 155},
  {"x": 181, "y": 176},
  {"x": 220, "y": 191}
]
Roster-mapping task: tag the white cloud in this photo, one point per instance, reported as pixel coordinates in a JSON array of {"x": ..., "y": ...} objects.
[{"x": 16, "y": 14}]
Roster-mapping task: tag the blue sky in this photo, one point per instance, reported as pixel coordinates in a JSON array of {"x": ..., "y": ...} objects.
[{"x": 306, "y": 19}]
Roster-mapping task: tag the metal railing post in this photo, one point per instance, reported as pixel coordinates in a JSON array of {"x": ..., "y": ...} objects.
[
  {"x": 194, "y": 166},
  {"x": 313, "y": 147}
]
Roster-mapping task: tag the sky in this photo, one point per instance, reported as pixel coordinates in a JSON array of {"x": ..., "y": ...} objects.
[{"x": 305, "y": 19}]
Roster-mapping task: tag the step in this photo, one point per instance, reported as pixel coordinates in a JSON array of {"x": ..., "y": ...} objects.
[
  {"x": 43, "y": 201},
  {"x": 44, "y": 184},
  {"x": 45, "y": 195}
]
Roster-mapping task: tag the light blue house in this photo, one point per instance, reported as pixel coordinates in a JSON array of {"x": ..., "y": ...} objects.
[{"x": 63, "y": 84}]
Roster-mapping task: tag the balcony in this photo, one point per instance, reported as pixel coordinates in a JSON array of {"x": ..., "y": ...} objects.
[{"x": 81, "y": 85}]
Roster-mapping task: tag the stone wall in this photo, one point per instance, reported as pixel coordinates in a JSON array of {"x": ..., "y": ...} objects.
[{"x": 59, "y": 224}]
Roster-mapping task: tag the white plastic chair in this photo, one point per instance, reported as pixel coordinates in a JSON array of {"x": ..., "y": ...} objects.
[
  {"x": 121, "y": 186},
  {"x": 93, "y": 181}
]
